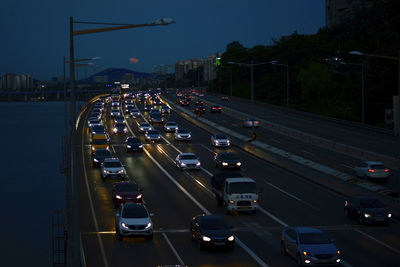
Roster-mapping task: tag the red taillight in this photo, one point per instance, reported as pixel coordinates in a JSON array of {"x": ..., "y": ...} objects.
[
  {"x": 219, "y": 108},
  {"x": 386, "y": 170},
  {"x": 370, "y": 170}
]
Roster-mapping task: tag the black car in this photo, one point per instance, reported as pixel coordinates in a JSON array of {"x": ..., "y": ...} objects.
[
  {"x": 148, "y": 107},
  {"x": 98, "y": 129},
  {"x": 199, "y": 103},
  {"x": 156, "y": 118},
  {"x": 366, "y": 210},
  {"x": 211, "y": 231},
  {"x": 100, "y": 155},
  {"x": 216, "y": 109},
  {"x": 133, "y": 144},
  {"x": 227, "y": 160},
  {"x": 120, "y": 127},
  {"x": 200, "y": 110}
]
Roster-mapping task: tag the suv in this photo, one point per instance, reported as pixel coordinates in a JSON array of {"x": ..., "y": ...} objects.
[
  {"x": 112, "y": 168},
  {"x": 133, "y": 219},
  {"x": 373, "y": 170}
]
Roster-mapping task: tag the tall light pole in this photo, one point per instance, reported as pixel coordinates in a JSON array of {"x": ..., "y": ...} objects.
[
  {"x": 275, "y": 62},
  {"x": 397, "y": 116},
  {"x": 75, "y": 259}
]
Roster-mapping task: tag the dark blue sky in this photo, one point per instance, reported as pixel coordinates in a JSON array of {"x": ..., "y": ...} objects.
[{"x": 35, "y": 34}]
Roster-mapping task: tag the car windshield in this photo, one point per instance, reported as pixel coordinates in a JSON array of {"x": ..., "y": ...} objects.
[
  {"x": 134, "y": 110},
  {"x": 221, "y": 136},
  {"x": 134, "y": 212},
  {"x": 145, "y": 124},
  {"x": 103, "y": 153},
  {"x": 120, "y": 125},
  {"x": 171, "y": 124},
  {"x": 378, "y": 166},
  {"x": 112, "y": 164},
  {"x": 125, "y": 187},
  {"x": 228, "y": 156},
  {"x": 242, "y": 187},
  {"x": 183, "y": 131},
  {"x": 115, "y": 111},
  {"x": 119, "y": 118},
  {"x": 99, "y": 142},
  {"x": 188, "y": 157},
  {"x": 213, "y": 224},
  {"x": 152, "y": 132},
  {"x": 371, "y": 203},
  {"x": 98, "y": 128},
  {"x": 314, "y": 238},
  {"x": 133, "y": 140}
]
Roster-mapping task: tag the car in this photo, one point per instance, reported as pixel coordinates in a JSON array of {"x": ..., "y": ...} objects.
[
  {"x": 99, "y": 141},
  {"x": 144, "y": 127},
  {"x": 372, "y": 170},
  {"x": 133, "y": 219},
  {"x": 251, "y": 122},
  {"x": 187, "y": 161},
  {"x": 200, "y": 110},
  {"x": 115, "y": 112},
  {"x": 115, "y": 103},
  {"x": 156, "y": 118},
  {"x": 309, "y": 246},
  {"x": 184, "y": 102},
  {"x": 98, "y": 129},
  {"x": 199, "y": 103},
  {"x": 135, "y": 113},
  {"x": 152, "y": 136},
  {"x": 133, "y": 144},
  {"x": 165, "y": 110},
  {"x": 220, "y": 140},
  {"x": 99, "y": 156},
  {"x": 126, "y": 192},
  {"x": 120, "y": 128},
  {"x": 366, "y": 210},
  {"x": 224, "y": 98},
  {"x": 170, "y": 126},
  {"x": 225, "y": 160},
  {"x": 211, "y": 231},
  {"x": 112, "y": 168},
  {"x": 93, "y": 121},
  {"x": 129, "y": 107},
  {"x": 215, "y": 109},
  {"x": 157, "y": 101},
  {"x": 119, "y": 119},
  {"x": 182, "y": 134},
  {"x": 148, "y": 107}
]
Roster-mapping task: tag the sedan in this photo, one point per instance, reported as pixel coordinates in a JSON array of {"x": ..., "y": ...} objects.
[
  {"x": 152, "y": 136},
  {"x": 251, "y": 122},
  {"x": 366, "y": 210},
  {"x": 182, "y": 134},
  {"x": 144, "y": 127},
  {"x": 224, "y": 98},
  {"x": 93, "y": 122},
  {"x": 309, "y": 246},
  {"x": 100, "y": 155},
  {"x": 227, "y": 160},
  {"x": 133, "y": 144},
  {"x": 220, "y": 140},
  {"x": 120, "y": 127},
  {"x": 115, "y": 112},
  {"x": 211, "y": 231},
  {"x": 126, "y": 191},
  {"x": 112, "y": 168},
  {"x": 98, "y": 129},
  {"x": 372, "y": 170},
  {"x": 148, "y": 107},
  {"x": 200, "y": 110},
  {"x": 170, "y": 126},
  {"x": 133, "y": 219},
  {"x": 216, "y": 109},
  {"x": 185, "y": 161},
  {"x": 165, "y": 110},
  {"x": 119, "y": 119},
  {"x": 135, "y": 113}
]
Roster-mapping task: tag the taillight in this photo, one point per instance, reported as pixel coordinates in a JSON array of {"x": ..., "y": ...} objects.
[
  {"x": 386, "y": 170},
  {"x": 370, "y": 170}
]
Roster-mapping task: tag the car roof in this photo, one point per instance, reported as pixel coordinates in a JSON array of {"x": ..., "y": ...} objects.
[
  {"x": 374, "y": 162},
  {"x": 363, "y": 197},
  {"x": 187, "y": 154},
  {"x": 239, "y": 179},
  {"x": 307, "y": 230}
]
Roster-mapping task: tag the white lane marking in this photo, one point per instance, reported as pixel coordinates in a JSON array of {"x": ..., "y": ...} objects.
[
  {"x": 96, "y": 225},
  {"x": 344, "y": 165},
  {"x": 208, "y": 149},
  {"x": 251, "y": 253},
  {"x": 309, "y": 153},
  {"x": 273, "y": 217},
  {"x": 275, "y": 140},
  {"x": 378, "y": 241},
  {"x": 173, "y": 250},
  {"x": 345, "y": 264}
]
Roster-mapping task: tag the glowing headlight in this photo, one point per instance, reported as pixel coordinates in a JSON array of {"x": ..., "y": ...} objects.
[
  {"x": 140, "y": 146},
  {"x": 120, "y": 171},
  {"x": 238, "y": 163},
  {"x": 255, "y": 201},
  {"x": 107, "y": 147},
  {"x": 141, "y": 128},
  {"x": 231, "y": 201},
  {"x": 198, "y": 164},
  {"x": 338, "y": 252},
  {"x": 105, "y": 171},
  {"x": 183, "y": 164},
  {"x": 189, "y": 136},
  {"x": 216, "y": 141},
  {"x": 231, "y": 238},
  {"x": 118, "y": 197},
  {"x": 139, "y": 196},
  {"x": 389, "y": 215},
  {"x": 148, "y": 225},
  {"x": 125, "y": 130},
  {"x": 206, "y": 238},
  {"x": 115, "y": 130},
  {"x": 128, "y": 146},
  {"x": 337, "y": 260},
  {"x": 366, "y": 215},
  {"x": 124, "y": 226},
  {"x": 93, "y": 148},
  {"x": 224, "y": 164},
  {"x": 95, "y": 160},
  {"x": 307, "y": 261}
]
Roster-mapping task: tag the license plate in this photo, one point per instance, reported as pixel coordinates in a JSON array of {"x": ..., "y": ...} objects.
[
  {"x": 219, "y": 243},
  {"x": 380, "y": 219}
]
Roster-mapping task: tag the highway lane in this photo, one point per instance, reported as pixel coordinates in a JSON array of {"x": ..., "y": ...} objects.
[
  {"x": 259, "y": 232},
  {"x": 357, "y": 136},
  {"x": 338, "y": 161}
]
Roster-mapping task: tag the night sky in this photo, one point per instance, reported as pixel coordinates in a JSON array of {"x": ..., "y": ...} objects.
[{"x": 35, "y": 34}]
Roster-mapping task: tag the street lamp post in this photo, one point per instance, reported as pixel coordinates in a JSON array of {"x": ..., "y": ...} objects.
[{"x": 75, "y": 259}]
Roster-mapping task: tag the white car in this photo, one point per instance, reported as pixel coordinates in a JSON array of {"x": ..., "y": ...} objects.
[
  {"x": 185, "y": 161},
  {"x": 135, "y": 113},
  {"x": 133, "y": 219},
  {"x": 171, "y": 126},
  {"x": 112, "y": 168},
  {"x": 115, "y": 112},
  {"x": 220, "y": 140},
  {"x": 144, "y": 127},
  {"x": 374, "y": 170},
  {"x": 183, "y": 134},
  {"x": 251, "y": 122}
]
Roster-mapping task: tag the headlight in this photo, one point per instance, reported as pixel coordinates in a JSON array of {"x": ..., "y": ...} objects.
[
  {"x": 107, "y": 171},
  {"x": 228, "y": 142},
  {"x": 366, "y": 215},
  {"x": 206, "y": 238},
  {"x": 255, "y": 201},
  {"x": 118, "y": 197},
  {"x": 120, "y": 171},
  {"x": 231, "y": 201},
  {"x": 139, "y": 196},
  {"x": 115, "y": 130},
  {"x": 95, "y": 160},
  {"x": 389, "y": 215},
  {"x": 125, "y": 130},
  {"x": 338, "y": 252},
  {"x": 148, "y": 225},
  {"x": 141, "y": 128},
  {"x": 128, "y": 146},
  {"x": 189, "y": 135},
  {"x": 93, "y": 148},
  {"x": 231, "y": 238},
  {"x": 216, "y": 141},
  {"x": 198, "y": 164},
  {"x": 183, "y": 164},
  {"x": 124, "y": 226},
  {"x": 140, "y": 146},
  {"x": 224, "y": 164},
  {"x": 238, "y": 163},
  {"x": 158, "y": 137},
  {"x": 107, "y": 147}
]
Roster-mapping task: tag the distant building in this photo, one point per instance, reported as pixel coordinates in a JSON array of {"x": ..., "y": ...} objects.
[
  {"x": 184, "y": 66},
  {"x": 14, "y": 82},
  {"x": 209, "y": 67},
  {"x": 341, "y": 11}
]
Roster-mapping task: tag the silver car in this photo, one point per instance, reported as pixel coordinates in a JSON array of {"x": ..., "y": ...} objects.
[
  {"x": 133, "y": 219},
  {"x": 251, "y": 122},
  {"x": 112, "y": 168},
  {"x": 171, "y": 126},
  {"x": 220, "y": 140},
  {"x": 185, "y": 161},
  {"x": 183, "y": 134},
  {"x": 373, "y": 170}
]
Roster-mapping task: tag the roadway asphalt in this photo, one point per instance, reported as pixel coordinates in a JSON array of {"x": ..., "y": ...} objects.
[{"x": 175, "y": 196}]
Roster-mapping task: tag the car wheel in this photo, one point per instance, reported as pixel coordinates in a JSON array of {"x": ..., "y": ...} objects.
[
  {"x": 118, "y": 235},
  {"x": 283, "y": 249},
  {"x": 346, "y": 213},
  {"x": 299, "y": 262},
  {"x": 149, "y": 237}
]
